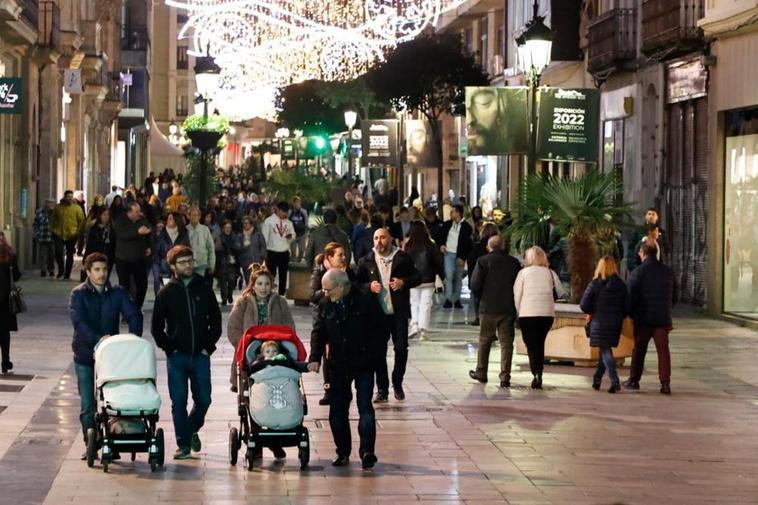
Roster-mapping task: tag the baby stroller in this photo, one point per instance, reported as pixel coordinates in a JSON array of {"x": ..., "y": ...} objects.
[
  {"x": 128, "y": 402},
  {"x": 271, "y": 402}
]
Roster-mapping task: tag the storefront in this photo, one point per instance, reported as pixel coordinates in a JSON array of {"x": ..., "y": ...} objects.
[{"x": 487, "y": 182}]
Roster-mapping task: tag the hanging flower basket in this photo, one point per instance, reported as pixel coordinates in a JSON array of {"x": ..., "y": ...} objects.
[{"x": 204, "y": 140}]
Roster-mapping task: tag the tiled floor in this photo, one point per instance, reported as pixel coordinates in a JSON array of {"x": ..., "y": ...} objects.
[{"x": 452, "y": 441}]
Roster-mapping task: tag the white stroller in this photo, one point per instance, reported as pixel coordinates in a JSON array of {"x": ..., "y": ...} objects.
[{"x": 128, "y": 402}]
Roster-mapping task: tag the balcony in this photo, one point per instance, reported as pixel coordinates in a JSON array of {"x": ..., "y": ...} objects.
[
  {"x": 49, "y": 25},
  {"x": 30, "y": 12},
  {"x": 671, "y": 25},
  {"x": 612, "y": 41}
]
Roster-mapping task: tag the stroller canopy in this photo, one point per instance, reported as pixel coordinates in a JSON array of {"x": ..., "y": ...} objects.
[
  {"x": 261, "y": 333},
  {"x": 124, "y": 357}
]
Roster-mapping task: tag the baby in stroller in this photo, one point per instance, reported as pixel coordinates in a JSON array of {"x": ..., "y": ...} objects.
[{"x": 271, "y": 399}]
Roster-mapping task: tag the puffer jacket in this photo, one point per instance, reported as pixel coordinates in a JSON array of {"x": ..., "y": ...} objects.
[
  {"x": 607, "y": 301},
  {"x": 67, "y": 220},
  {"x": 533, "y": 292},
  {"x": 651, "y": 292}
]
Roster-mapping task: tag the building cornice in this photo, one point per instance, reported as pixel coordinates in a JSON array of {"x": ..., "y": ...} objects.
[{"x": 731, "y": 24}]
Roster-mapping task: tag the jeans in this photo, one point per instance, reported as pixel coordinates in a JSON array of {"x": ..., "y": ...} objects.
[
  {"x": 453, "y": 277},
  {"x": 642, "y": 336},
  {"x": 197, "y": 370},
  {"x": 155, "y": 270},
  {"x": 421, "y": 307},
  {"x": 136, "y": 271},
  {"x": 501, "y": 328},
  {"x": 397, "y": 328},
  {"x": 297, "y": 247},
  {"x": 46, "y": 253},
  {"x": 339, "y": 408},
  {"x": 279, "y": 262},
  {"x": 69, "y": 245},
  {"x": 534, "y": 332},
  {"x": 606, "y": 362},
  {"x": 85, "y": 383}
]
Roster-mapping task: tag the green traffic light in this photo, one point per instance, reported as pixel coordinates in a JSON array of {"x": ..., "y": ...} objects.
[{"x": 320, "y": 143}]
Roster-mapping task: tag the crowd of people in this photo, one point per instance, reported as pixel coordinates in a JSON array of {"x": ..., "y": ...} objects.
[{"x": 373, "y": 281}]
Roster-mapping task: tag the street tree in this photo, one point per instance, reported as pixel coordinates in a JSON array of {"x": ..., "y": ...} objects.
[
  {"x": 300, "y": 106},
  {"x": 429, "y": 74},
  {"x": 354, "y": 94}
]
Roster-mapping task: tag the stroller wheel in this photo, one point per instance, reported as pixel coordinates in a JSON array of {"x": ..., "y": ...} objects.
[
  {"x": 91, "y": 447},
  {"x": 250, "y": 458},
  {"x": 304, "y": 449},
  {"x": 161, "y": 444},
  {"x": 134, "y": 456},
  {"x": 234, "y": 446}
]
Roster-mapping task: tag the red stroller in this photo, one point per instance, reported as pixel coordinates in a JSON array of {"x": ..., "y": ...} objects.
[{"x": 271, "y": 402}]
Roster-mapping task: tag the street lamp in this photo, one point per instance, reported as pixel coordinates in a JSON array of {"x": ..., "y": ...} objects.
[
  {"x": 207, "y": 77},
  {"x": 350, "y": 118},
  {"x": 534, "y": 47},
  {"x": 297, "y": 133}
]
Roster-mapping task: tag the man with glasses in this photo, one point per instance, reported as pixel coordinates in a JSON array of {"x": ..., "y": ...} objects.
[{"x": 186, "y": 325}]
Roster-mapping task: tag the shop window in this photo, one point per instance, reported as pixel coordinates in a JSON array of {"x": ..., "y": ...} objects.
[
  {"x": 741, "y": 214},
  {"x": 181, "y": 106},
  {"x": 181, "y": 57}
]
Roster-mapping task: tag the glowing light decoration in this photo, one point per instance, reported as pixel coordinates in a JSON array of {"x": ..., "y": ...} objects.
[{"x": 265, "y": 44}]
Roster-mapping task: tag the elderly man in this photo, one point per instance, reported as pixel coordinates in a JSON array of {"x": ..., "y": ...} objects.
[
  {"x": 203, "y": 246},
  {"x": 345, "y": 327},
  {"x": 390, "y": 274},
  {"x": 492, "y": 281},
  {"x": 133, "y": 250}
]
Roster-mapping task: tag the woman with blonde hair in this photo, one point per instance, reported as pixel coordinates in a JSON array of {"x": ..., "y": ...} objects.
[
  {"x": 606, "y": 303},
  {"x": 535, "y": 302},
  {"x": 258, "y": 304}
]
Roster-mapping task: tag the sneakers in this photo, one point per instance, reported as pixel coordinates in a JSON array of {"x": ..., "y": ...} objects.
[
  {"x": 447, "y": 305},
  {"x": 183, "y": 453},
  {"x": 399, "y": 394},
  {"x": 458, "y": 305},
  {"x": 381, "y": 398},
  {"x": 665, "y": 388},
  {"x": 473, "y": 375},
  {"x": 631, "y": 384},
  {"x": 196, "y": 444},
  {"x": 368, "y": 460}
]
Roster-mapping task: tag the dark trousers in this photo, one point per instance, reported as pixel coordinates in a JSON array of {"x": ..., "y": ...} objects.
[
  {"x": 339, "y": 408},
  {"x": 279, "y": 263},
  {"x": 534, "y": 332},
  {"x": 5, "y": 344},
  {"x": 69, "y": 246},
  {"x": 642, "y": 336},
  {"x": 135, "y": 271},
  {"x": 196, "y": 370},
  {"x": 46, "y": 257},
  {"x": 495, "y": 327},
  {"x": 397, "y": 328},
  {"x": 85, "y": 383},
  {"x": 606, "y": 362}
]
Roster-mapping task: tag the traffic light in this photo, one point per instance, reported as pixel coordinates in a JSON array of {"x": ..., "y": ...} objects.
[{"x": 320, "y": 143}]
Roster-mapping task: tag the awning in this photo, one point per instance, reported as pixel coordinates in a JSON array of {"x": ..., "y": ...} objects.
[{"x": 159, "y": 144}]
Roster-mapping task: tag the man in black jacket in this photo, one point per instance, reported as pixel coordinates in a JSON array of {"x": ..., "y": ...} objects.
[
  {"x": 492, "y": 282},
  {"x": 186, "y": 325},
  {"x": 133, "y": 253},
  {"x": 345, "y": 327},
  {"x": 651, "y": 293},
  {"x": 455, "y": 247},
  {"x": 390, "y": 274}
]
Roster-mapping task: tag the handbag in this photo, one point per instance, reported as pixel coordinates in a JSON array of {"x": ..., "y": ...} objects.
[{"x": 16, "y": 303}]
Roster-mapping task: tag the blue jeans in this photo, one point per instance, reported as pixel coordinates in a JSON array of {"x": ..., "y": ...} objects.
[
  {"x": 339, "y": 408},
  {"x": 85, "y": 383},
  {"x": 157, "y": 280},
  {"x": 197, "y": 370},
  {"x": 607, "y": 362},
  {"x": 453, "y": 277}
]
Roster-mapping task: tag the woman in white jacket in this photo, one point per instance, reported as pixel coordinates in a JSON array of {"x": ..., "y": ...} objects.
[{"x": 534, "y": 300}]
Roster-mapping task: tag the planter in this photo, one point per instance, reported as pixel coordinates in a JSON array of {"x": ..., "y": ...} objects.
[
  {"x": 567, "y": 340},
  {"x": 299, "y": 284},
  {"x": 204, "y": 140}
]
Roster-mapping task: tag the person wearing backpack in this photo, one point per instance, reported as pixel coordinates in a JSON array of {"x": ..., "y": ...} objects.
[{"x": 299, "y": 217}]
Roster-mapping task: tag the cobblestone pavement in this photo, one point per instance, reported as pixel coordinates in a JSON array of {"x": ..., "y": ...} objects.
[{"x": 450, "y": 442}]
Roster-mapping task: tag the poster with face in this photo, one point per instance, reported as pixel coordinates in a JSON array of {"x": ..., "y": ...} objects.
[
  {"x": 496, "y": 120},
  {"x": 419, "y": 142}
]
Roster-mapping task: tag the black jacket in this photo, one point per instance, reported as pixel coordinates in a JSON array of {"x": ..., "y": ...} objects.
[
  {"x": 492, "y": 282},
  {"x": 437, "y": 231},
  {"x": 402, "y": 268},
  {"x": 429, "y": 263},
  {"x": 464, "y": 238},
  {"x": 364, "y": 244},
  {"x": 101, "y": 239},
  {"x": 163, "y": 245},
  {"x": 8, "y": 271},
  {"x": 607, "y": 301},
  {"x": 186, "y": 318},
  {"x": 651, "y": 292},
  {"x": 478, "y": 249},
  {"x": 349, "y": 335},
  {"x": 130, "y": 245}
]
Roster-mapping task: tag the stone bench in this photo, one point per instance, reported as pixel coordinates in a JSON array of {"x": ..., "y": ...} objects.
[{"x": 299, "y": 284}]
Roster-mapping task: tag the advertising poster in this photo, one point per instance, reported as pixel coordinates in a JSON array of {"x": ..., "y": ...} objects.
[
  {"x": 10, "y": 95},
  {"x": 496, "y": 120},
  {"x": 568, "y": 124},
  {"x": 419, "y": 142},
  {"x": 379, "y": 141}
]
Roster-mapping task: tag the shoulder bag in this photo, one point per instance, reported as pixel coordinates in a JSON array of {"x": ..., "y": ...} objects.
[{"x": 16, "y": 303}]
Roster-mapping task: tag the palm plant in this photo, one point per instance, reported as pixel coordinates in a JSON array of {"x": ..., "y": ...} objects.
[{"x": 584, "y": 210}]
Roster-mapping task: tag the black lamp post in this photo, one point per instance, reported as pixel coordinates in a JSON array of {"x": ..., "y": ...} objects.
[
  {"x": 350, "y": 118},
  {"x": 534, "y": 46}
]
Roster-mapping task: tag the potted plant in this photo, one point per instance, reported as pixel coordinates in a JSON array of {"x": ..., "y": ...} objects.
[{"x": 205, "y": 132}]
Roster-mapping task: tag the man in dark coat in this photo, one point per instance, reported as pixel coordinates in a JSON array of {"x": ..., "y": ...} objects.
[
  {"x": 651, "y": 293},
  {"x": 492, "y": 281},
  {"x": 389, "y": 273},
  {"x": 96, "y": 309},
  {"x": 321, "y": 236},
  {"x": 345, "y": 327},
  {"x": 133, "y": 250},
  {"x": 186, "y": 325}
]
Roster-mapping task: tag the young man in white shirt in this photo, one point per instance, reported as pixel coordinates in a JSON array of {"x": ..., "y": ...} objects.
[
  {"x": 455, "y": 249},
  {"x": 279, "y": 232}
]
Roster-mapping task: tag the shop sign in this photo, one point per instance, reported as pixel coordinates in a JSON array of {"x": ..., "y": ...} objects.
[
  {"x": 379, "y": 141},
  {"x": 496, "y": 121},
  {"x": 288, "y": 149},
  {"x": 687, "y": 80},
  {"x": 420, "y": 143},
  {"x": 10, "y": 95},
  {"x": 568, "y": 124}
]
